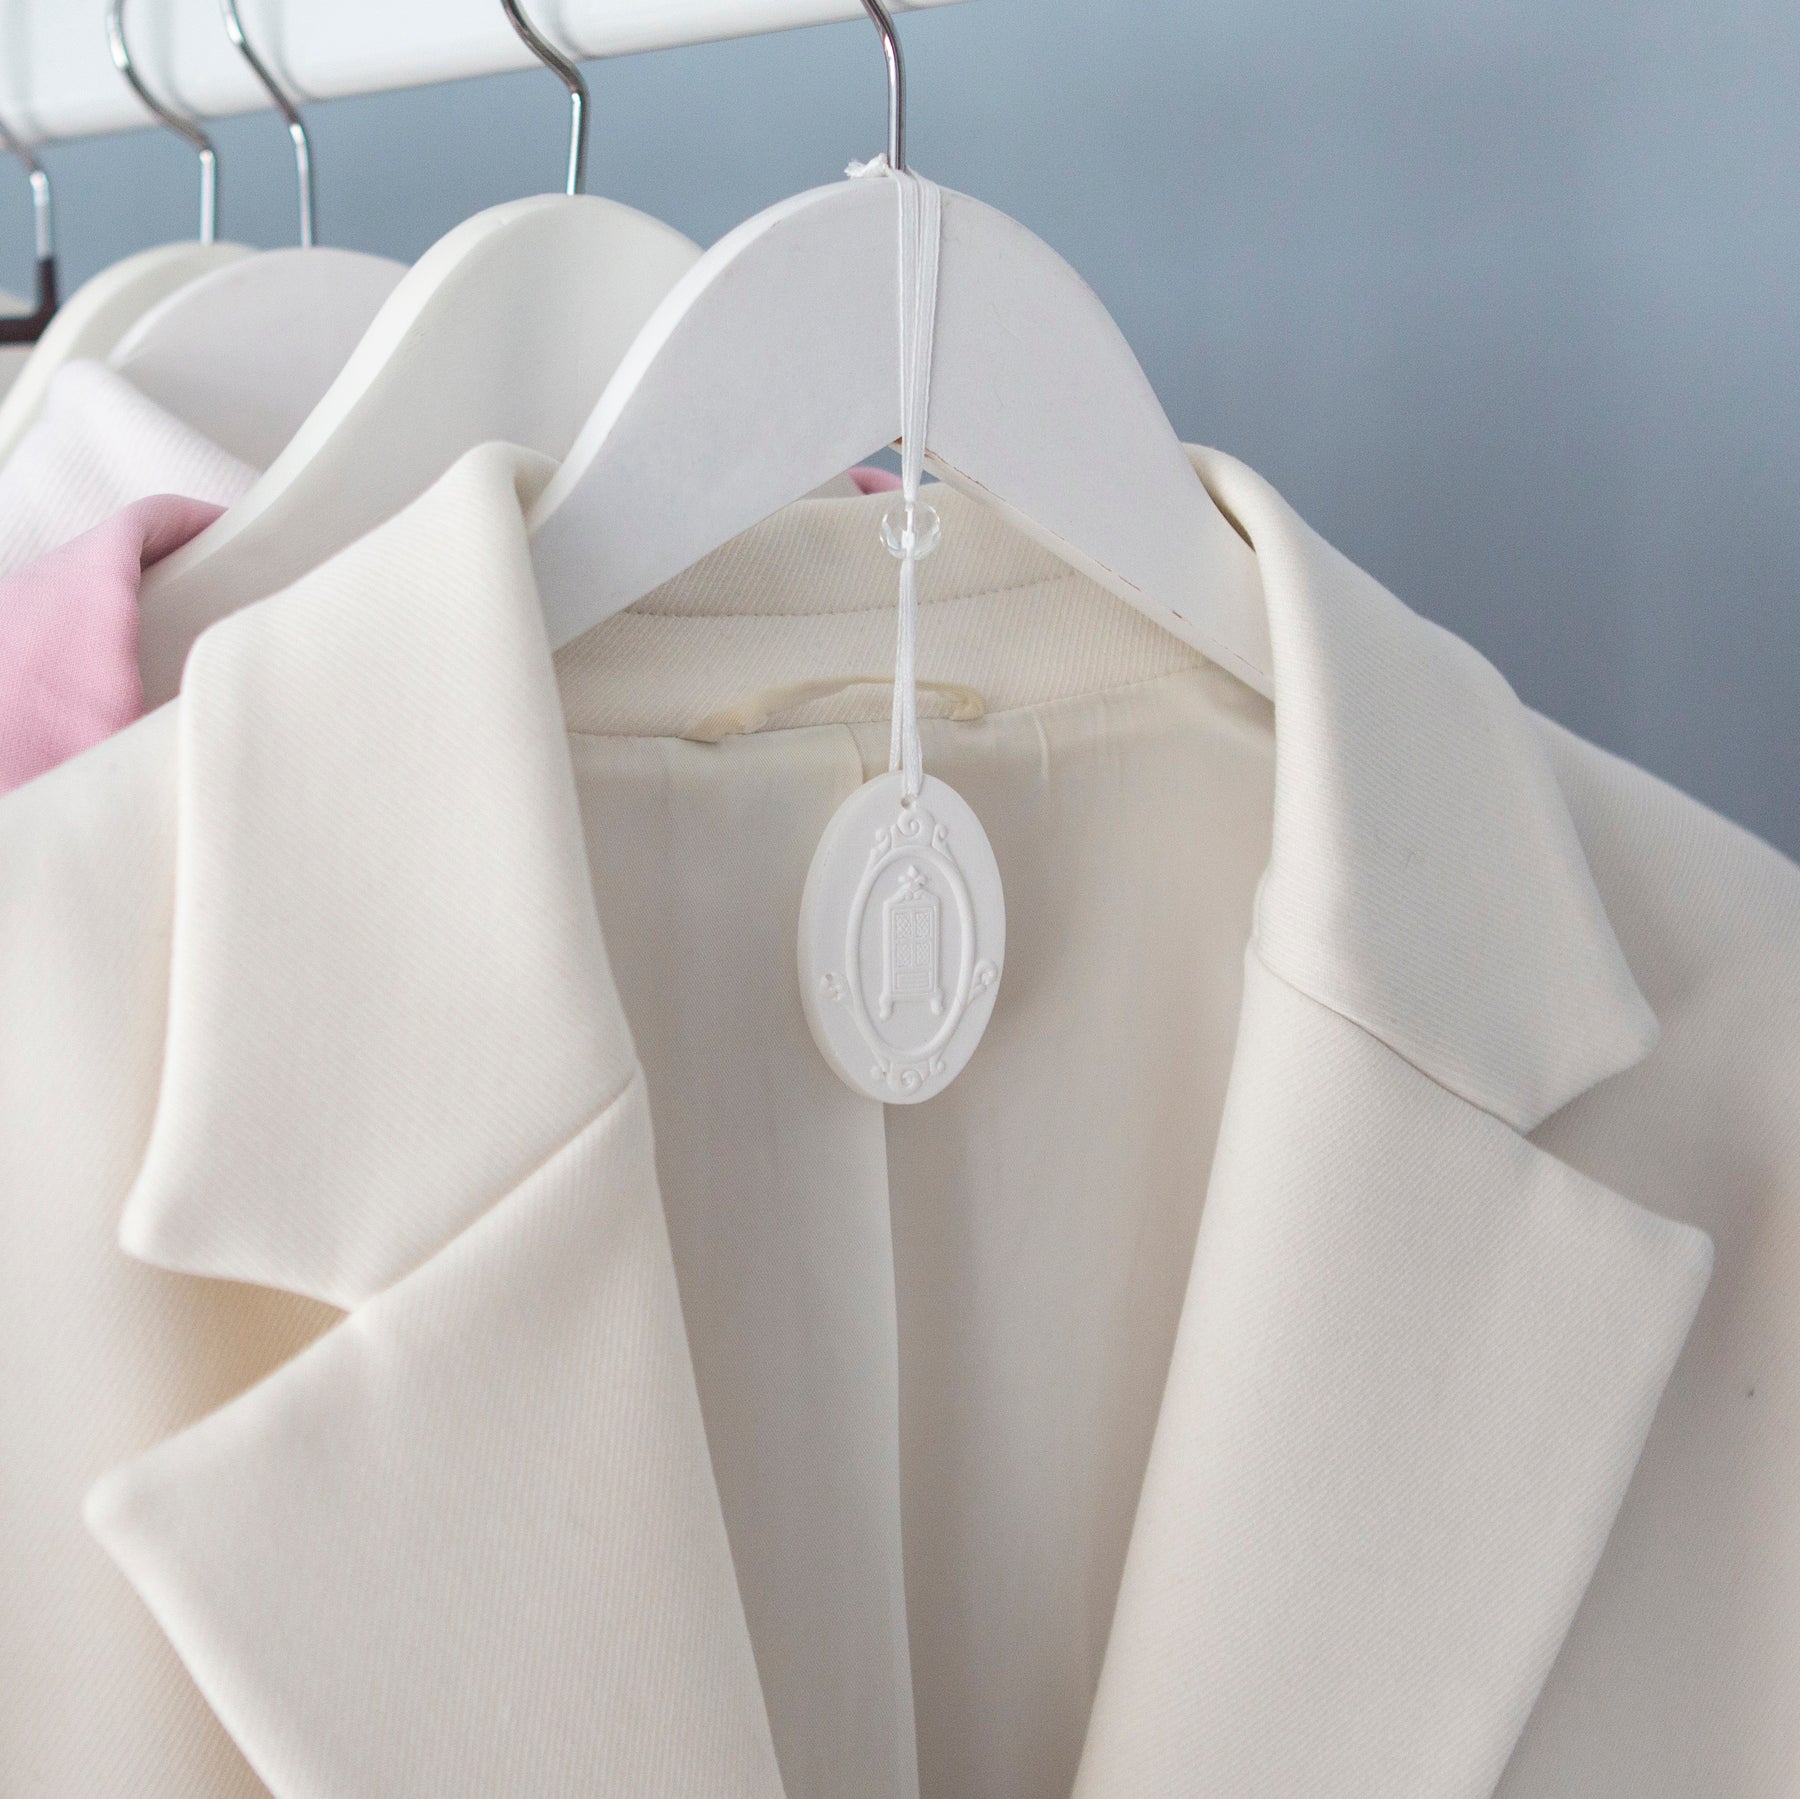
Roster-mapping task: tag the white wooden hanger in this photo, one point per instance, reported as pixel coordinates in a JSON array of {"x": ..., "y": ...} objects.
[
  {"x": 91, "y": 321},
  {"x": 99, "y": 312},
  {"x": 774, "y": 364},
  {"x": 244, "y": 351},
  {"x": 507, "y": 328}
]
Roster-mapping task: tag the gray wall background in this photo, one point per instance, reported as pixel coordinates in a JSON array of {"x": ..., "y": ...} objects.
[{"x": 1506, "y": 299}]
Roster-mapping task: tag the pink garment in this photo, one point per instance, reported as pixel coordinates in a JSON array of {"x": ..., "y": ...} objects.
[
  {"x": 69, "y": 632},
  {"x": 874, "y": 480}
]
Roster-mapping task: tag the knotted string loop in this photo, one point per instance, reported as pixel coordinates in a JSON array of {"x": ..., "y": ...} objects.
[{"x": 910, "y": 528}]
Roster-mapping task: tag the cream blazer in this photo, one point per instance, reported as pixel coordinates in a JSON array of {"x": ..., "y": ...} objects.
[{"x": 458, "y": 1339}]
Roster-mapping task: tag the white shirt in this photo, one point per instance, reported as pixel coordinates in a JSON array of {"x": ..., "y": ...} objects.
[{"x": 98, "y": 445}]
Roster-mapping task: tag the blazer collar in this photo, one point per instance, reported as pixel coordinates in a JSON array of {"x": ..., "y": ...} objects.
[
  {"x": 388, "y": 998},
  {"x": 1426, "y": 879},
  {"x": 390, "y": 1006},
  {"x": 375, "y": 800}
]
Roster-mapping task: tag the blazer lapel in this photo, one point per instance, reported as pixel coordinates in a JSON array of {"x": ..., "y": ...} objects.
[
  {"x": 1419, "y": 1356},
  {"x": 469, "y": 1541},
  {"x": 389, "y": 1000},
  {"x": 1417, "y": 1363}
]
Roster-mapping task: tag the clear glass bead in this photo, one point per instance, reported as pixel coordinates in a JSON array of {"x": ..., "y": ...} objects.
[{"x": 911, "y": 530}]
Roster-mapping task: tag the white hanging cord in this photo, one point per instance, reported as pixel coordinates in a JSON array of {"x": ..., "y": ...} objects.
[{"x": 910, "y": 528}]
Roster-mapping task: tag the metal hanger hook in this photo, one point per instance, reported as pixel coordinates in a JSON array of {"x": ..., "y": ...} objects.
[
  {"x": 29, "y": 328},
  {"x": 188, "y": 130},
  {"x": 565, "y": 71},
  {"x": 234, "y": 29},
  {"x": 896, "y": 78},
  {"x": 40, "y": 192}
]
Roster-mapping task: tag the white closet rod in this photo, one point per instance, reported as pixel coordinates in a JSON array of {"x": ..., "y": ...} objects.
[{"x": 57, "y": 79}]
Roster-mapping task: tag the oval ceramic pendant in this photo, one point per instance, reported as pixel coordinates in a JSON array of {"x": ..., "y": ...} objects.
[{"x": 902, "y": 938}]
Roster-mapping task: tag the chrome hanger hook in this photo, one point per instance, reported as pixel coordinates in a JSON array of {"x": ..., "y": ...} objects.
[
  {"x": 565, "y": 70},
  {"x": 234, "y": 29},
  {"x": 27, "y": 329},
  {"x": 184, "y": 128},
  {"x": 896, "y": 79}
]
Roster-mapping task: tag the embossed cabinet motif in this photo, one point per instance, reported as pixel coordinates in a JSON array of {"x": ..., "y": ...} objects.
[{"x": 911, "y": 936}]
